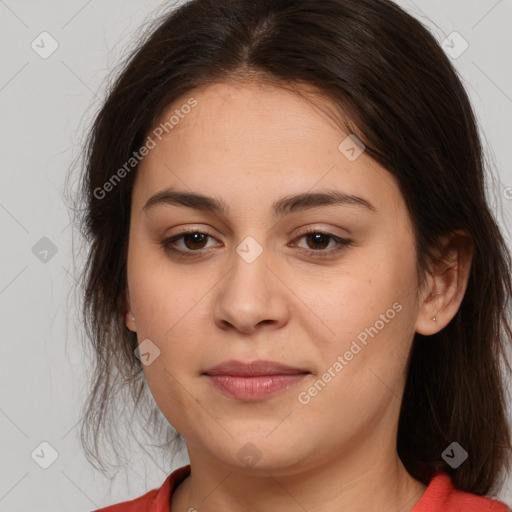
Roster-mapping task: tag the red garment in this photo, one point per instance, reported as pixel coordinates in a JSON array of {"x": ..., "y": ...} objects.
[{"x": 440, "y": 496}]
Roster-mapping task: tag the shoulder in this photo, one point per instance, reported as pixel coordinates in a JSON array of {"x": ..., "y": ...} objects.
[
  {"x": 156, "y": 500},
  {"x": 442, "y": 496}
]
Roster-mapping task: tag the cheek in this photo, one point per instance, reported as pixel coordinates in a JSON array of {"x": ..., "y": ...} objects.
[
  {"x": 363, "y": 375},
  {"x": 165, "y": 295},
  {"x": 174, "y": 397},
  {"x": 352, "y": 300},
  {"x": 370, "y": 314},
  {"x": 168, "y": 310}
]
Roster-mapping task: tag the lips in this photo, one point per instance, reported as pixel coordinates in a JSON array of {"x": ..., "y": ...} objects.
[
  {"x": 253, "y": 369},
  {"x": 255, "y": 380}
]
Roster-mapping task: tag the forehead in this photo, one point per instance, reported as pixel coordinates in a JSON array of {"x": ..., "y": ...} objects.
[
  {"x": 227, "y": 114},
  {"x": 250, "y": 143}
]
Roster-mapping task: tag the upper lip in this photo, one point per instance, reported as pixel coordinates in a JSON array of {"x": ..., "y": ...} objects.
[{"x": 252, "y": 369}]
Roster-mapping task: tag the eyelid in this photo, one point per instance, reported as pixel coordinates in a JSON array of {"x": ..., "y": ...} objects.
[
  {"x": 341, "y": 243},
  {"x": 167, "y": 241},
  {"x": 308, "y": 229}
]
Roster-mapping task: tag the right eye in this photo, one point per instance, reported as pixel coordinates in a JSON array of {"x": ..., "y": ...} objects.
[{"x": 193, "y": 240}]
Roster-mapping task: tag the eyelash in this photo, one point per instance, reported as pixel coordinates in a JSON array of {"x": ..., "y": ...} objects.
[{"x": 342, "y": 243}]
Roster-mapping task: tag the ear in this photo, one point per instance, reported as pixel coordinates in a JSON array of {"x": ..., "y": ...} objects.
[
  {"x": 128, "y": 316},
  {"x": 446, "y": 284}
]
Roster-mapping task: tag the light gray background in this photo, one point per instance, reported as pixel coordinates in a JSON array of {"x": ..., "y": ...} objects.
[{"x": 46, "y": 105}]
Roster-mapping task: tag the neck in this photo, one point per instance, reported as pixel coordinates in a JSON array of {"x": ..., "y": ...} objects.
[{"x": 353, "y": 483}]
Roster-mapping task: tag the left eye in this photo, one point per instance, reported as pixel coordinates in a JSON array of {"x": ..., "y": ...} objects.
[
  {"x": 320, "y": 238},
  {"x": 195, "y": 242}
]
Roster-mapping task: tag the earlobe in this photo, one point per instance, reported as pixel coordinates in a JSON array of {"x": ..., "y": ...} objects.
[
  {"x": 129, "y": 319},
  {"x": 427, "y": 322},
  {"x": 446, "y": 284}
]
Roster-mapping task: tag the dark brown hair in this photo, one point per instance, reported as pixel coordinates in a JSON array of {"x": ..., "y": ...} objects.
[{"x": 394, "y": 87}]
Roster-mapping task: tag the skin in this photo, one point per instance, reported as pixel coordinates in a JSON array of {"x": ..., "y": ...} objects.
[{"x": 251, "y": 145}]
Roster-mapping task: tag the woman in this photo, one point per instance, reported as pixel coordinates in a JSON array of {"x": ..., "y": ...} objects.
[{"x": 291, "y": 249}]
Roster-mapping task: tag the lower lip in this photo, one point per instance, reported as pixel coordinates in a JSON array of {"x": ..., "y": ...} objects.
[{"x": 254, "y": 388}]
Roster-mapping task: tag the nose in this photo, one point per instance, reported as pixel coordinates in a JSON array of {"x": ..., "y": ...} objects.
[{"x": 251, "y": 297}]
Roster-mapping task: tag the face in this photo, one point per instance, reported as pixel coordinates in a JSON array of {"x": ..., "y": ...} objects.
[{"x": 325, "y": 287}]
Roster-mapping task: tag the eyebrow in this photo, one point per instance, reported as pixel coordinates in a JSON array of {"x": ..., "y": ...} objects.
[{"x": 285, "y": 206}]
